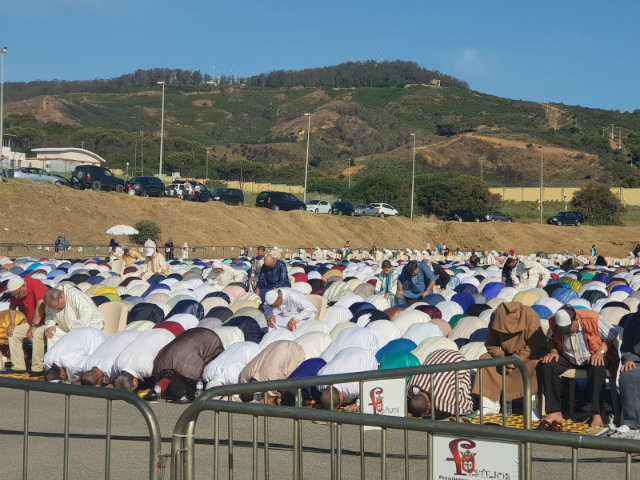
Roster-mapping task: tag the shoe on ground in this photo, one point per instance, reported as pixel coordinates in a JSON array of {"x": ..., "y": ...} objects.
[
  {"x": 36, "y": 374},
  {"x": 182, "y": 400},
  {"x": 151, "y": 397}
]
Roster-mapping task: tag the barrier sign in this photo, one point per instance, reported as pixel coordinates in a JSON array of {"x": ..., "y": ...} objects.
[
  {"x": 462, "y": 458},
  {"x": 384, "y": 397}
]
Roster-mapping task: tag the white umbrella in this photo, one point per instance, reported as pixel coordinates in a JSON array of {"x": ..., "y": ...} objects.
[{"x": 122, "y": 230}]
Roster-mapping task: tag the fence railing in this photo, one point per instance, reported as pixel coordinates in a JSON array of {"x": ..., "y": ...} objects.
[
  {"x": 182, "y": 448},
  {"x": 155, "y": 465}
]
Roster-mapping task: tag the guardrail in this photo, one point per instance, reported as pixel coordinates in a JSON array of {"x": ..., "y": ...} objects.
[
  {"x": 155, "y": 464},
  {"x": 182, "y": 447}
]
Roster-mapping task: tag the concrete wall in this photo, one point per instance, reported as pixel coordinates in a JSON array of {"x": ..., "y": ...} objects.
[{"x": 630, "y": 196}]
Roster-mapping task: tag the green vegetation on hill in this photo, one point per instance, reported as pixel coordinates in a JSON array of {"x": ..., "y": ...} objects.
[{"x": 258, "y": 133}]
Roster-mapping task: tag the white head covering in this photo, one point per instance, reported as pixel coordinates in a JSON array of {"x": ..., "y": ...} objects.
[
  {"x": 562, "y": 318},
  {"x": 271, "y": 297},
  {"x": 15, "y": 283}
]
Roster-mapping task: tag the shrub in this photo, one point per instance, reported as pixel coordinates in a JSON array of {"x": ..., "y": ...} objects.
[
  {"x": 598, "y": 205},
  {"x": 146, "y": 229}
]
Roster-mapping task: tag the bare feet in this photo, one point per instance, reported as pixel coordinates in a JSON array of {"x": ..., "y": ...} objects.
[{"x": 596, "y": 421}]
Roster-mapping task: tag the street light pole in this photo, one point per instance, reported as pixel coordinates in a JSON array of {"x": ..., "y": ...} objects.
[
  {"x": 349, "y": 173},
  {"x": 306, "y": 164},
  {"x": 413, "y": 173},
  {"x": 141, "y": 153},
  {"x": 127, "y": 170},
  {"x": 161, "y": 129},
  {"x": 541, "y": 181},
  {"x": 3, "y": 52}
]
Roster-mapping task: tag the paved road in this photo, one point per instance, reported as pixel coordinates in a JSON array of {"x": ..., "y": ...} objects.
[{"x": 130, "y": 455}]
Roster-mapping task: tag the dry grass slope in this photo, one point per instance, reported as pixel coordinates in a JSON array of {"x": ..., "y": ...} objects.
[{"x": 35, "y": 213}]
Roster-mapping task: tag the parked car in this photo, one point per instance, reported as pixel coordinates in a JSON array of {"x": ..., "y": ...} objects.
[
  {"x": 37, "y": 175},
  {"x": 342, "y": 208},
  {"x": 186, "y": 190},
  {"x": 385, "y": 210},
  {"x": 366, "y": 211},
  {"x": 95, "y": 178},
  {"x": 463, "y": 216},
  {"x": 566, "y": 218},
  {"x": 146, "y": 187},
  {"x": 497, "y": 216},
  {"x": 230, "y": 196},
  {"x": 279, "y": 201},
  {"x": 319, "y": 206}
]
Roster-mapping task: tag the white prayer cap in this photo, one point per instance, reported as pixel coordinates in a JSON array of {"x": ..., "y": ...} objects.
[
  {"x": 271, "y": 297},
  {"x": 149, "y": 251},
  {"x": 14, "y": 284},
  {"x": 562, "y": 318}
]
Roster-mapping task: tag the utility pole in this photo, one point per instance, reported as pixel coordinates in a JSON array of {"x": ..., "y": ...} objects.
[
  {"x": 481, "y": 169},
  {"x": 207, "y": 170},
  {"x": 541, "y": 181},
  {"x": 141, "y": 153},
  {"x": 135, "y": 157},
  {"x": 413, "y": 172},
  {"x": 349, "y": 173}
]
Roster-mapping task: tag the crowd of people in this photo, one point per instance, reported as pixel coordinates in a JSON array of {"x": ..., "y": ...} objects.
[{"x": 196, "y": 324}]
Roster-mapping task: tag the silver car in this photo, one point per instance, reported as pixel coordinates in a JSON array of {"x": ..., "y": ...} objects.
[
  {"x": 38, "y": 175},
  {"x": 366, "y": 211}
]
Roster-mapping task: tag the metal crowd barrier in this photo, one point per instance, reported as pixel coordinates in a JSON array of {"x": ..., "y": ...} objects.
[
  {"x": 155, "y": 464},
  {"x": 183, "y": 442}
]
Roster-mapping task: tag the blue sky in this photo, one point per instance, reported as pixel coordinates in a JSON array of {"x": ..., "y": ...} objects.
[{"x": 574, "y": 52}]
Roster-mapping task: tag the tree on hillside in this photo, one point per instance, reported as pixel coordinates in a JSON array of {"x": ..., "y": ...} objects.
[
  {"x": 439, "y": 194},
  {"x": 598, "y": 205}
]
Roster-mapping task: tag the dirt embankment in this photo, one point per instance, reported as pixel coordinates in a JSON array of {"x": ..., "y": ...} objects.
[{"x": 35, "y": 213}]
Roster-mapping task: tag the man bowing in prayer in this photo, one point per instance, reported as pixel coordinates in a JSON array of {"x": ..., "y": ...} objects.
[{"x": 288, "y": 308}]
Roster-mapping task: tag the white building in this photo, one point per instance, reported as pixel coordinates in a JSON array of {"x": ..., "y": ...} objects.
[
  {"x": 63, "y": 160},
  {"x": 9, "y": 158}
]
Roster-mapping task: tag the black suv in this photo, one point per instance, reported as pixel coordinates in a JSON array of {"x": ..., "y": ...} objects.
[
  {"x": 230, "y": 196},
  {"x": 279, "y": 201},
  {"x": 342, "y": 208},
  {"x": 566, "y": 218},
  {"x": 463, "y": 216},
  {"x": 146, "y": 186},
  {"x": 95, "y": 178}
]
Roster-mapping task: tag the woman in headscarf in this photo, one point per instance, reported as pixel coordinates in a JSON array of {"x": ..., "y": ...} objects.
[
  {"x": 388, "y": 282},
  {"x": 514, "y": 330}
]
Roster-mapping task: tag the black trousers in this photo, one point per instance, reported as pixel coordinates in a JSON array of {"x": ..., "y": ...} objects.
[{"x": 550, "y": 383}]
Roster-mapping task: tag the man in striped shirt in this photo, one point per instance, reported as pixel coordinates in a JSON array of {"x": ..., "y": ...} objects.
[
  {"x": 577, "y": 339},
  {"x": 444, "y": 388}
]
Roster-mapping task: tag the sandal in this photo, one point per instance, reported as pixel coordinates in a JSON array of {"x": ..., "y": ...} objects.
[
  {"x": 544, "y": 425},
  {"x": 555, "y": 426}
]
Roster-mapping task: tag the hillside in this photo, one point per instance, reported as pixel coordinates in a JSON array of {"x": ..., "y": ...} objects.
[
  {"x": 258, "y": 133},
  {"x": 35, "y": 213}
]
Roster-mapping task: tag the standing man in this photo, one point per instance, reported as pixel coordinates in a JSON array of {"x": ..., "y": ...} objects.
[
  {"x": 273, "y": 274},
  {"x": 577, "y": 339},
  {"x": 256, "y": 266},
  {"x": 27, "y": 295},
  {"x": 415, "y": 282},
  {"x": 168, "y": 249},
  {"x": 289, "y": 308}
]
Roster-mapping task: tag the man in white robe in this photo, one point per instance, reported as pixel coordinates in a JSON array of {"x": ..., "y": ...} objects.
[
  {"x": 70, "y": 353},
  {"x": 98, "y": 367},
  {"x": 287, "y": 308}
]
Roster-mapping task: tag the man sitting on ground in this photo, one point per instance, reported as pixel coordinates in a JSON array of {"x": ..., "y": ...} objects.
[
  {"x": 222, "y": 274},
  {"x": 273, "y": 274},
  {"x": 288, "y": 308},
  {"x": 154, "y": 261}
]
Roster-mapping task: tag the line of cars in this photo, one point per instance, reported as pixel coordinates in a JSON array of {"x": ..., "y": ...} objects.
[
  {"x": 345, "y": 208},
  {"x": 561, "y": 218}
]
